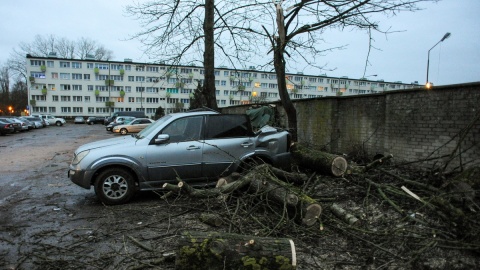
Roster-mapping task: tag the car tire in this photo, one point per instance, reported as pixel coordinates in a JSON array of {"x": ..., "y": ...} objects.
[
  {"x": 58, "y": 123},
  {"x": 114, "y": 186},
  {"x": 123, "y": 131}
]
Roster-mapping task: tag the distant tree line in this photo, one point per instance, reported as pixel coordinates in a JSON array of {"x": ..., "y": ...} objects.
[{"x": 13, "y": 73}]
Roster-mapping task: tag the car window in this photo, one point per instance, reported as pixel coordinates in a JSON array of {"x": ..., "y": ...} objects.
[
  {"x": 184, "y": 129},
  {"x": 227, "y": 126}
]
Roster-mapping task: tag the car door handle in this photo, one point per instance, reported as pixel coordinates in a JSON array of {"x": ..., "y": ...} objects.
[
  {"x": 246, "y": 144},
  {"x": 193, "y": 147}
]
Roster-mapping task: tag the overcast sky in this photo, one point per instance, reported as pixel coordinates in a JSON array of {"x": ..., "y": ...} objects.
[{"x": 402, "y": 56}]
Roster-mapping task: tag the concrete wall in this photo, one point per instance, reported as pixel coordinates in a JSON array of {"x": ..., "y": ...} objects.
[{"x": 413, "y": 125}]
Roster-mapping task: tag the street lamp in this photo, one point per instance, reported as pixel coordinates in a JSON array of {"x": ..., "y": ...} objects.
[
  {"x": 141, "y": 96},
  {"x": 447, "y": 35}
]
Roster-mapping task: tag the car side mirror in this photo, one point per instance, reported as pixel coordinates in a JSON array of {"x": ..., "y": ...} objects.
[{"x": 162, "y": 138}]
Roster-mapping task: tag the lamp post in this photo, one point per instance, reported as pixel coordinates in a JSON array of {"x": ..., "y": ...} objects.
[
  {"x": 141, "y": 96},
  {"x": 447, "y": 35},
  {"x": 109, "y": 107}
]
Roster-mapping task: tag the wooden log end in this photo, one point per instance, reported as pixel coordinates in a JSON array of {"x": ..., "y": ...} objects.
[
  {"x": 312, "y": 214},
  {"x": 339, "y": 166},
  {"x": 221, "y": 182}
]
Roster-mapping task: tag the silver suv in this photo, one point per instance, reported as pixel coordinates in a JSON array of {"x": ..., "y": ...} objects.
[{"x": 197, "y": 147}]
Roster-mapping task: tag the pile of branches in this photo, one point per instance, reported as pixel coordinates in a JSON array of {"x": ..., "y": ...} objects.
[{"x": 375, "y": 216}]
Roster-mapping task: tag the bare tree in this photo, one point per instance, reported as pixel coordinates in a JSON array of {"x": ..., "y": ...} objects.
[
  {"x": 42, "y": 46},
  {"x": 85, "y": 47},
  {"x": 302, "y": 23},
  {"x": 65, "y": 48},
  {"x": 5, "y": 88},
  {"x": 189, "y": 32},
  {"x": 172, "y": 32}
]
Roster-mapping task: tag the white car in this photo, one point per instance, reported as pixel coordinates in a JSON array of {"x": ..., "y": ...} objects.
[{"x": 51, "y": 119}]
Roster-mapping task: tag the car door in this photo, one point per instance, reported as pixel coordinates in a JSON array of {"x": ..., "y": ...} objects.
[
  {"x": 134, "y": 126},
  {"x": 180, "y": 156},
  {"x": 228, "y": 139},
  {"x": 143, "y": 124}
]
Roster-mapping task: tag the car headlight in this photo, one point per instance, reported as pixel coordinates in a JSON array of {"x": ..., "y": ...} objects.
[{"x": 79, "y": 157}]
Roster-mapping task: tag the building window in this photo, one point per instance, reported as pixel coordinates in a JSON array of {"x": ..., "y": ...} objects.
[
  {"x": 76, "y": 76},
  {"x": 39, "y": 75},
  {"x": 86, "y": 77},
  {"x": 65, "y": 76},
  {"x": 77, "y": 98},
  {"x": 64, "y": 64},
  {"x": 77, "y": 87},
  {"x": 66, "y": 110},
  {"x": 77, "y": 109},
  {"x": 131, "y": 78},
  {"x": 55, "y": 98},
  {"x": 152, "y": 69},
  {"x": 54, "y": 75},
  {"x": 76, "y": 65},
  {"x": 65, "y": 87},
  {"x": 101, "y": 66},
  {"x": 65, "y": 98},
  {"x": 90, "y": 65},
  {"x": 37, "y": 63},
  {"x": 87, "y": 98},
  {"x": 91, "y": 109}
]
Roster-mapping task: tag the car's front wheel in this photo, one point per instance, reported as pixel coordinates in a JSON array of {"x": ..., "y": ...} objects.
[
  {"x": 123, "y": 131},
  {"x": 58, "y": 123},
  {"x": 115, "y": 186}
]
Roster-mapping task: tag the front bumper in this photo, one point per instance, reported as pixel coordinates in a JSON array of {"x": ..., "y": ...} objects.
[{"x": 80, "y": 177}]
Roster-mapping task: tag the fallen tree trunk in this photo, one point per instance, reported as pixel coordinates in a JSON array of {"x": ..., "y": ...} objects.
[
  {"x": 301, "y": 207},
  {"x": 319, "y": 161},
  {"x": 260, "y": 180},
  {"x": 202, "y": 250}
]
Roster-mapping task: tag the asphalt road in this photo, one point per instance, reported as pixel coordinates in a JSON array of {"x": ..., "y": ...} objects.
[{"x": 29, "y": 158}]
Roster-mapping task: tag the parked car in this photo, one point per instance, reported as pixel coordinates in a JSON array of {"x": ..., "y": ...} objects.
[
  {"x": 16, "y": 125},
  {"x": 58, "y": 121},
  {"x": 30, "y": 124},
  {"x": 108, "y": 120},
  {"x": 6, "y": 128},
  {"x": 136, "y": 114},
  {"x": 37, "y": 122},
  {"x": 95, "y": 120},
  {"x": 119, "y": 121},
  {"x": 135, "y": 126},
  {"x": 23, "y": 124},
  {"x": 79, "y": 120},
  {"x": 197, "y": 147}
]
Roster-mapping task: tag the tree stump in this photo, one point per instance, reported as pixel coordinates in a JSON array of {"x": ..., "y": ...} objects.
[
  {"x": 212, "y": 250},
  {"x": 319, "y": 161}
]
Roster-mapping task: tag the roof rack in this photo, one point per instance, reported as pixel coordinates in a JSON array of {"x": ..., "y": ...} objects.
[{"x": 202, "y": 109}]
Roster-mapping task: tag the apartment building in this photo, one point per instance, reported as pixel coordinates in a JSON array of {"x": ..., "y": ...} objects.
[{"x": 72, "y": 87}]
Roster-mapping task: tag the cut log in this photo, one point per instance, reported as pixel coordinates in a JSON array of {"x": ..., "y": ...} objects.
[
  {"x": 211, "y": 219},
  {"x": 201, "y": 250},
  {"x": 344, "y": 215},
  {"x": 319, "y": 161}
]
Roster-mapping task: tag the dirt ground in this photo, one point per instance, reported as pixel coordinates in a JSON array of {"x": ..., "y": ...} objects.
[{"x": 47, "y": 222}]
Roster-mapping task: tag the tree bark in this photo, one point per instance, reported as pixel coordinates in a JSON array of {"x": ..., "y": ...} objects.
[
  {"x": 201, "y": 250},
  {"x": 319, "y": 161},
  {"x": 209, "y": 55}
]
